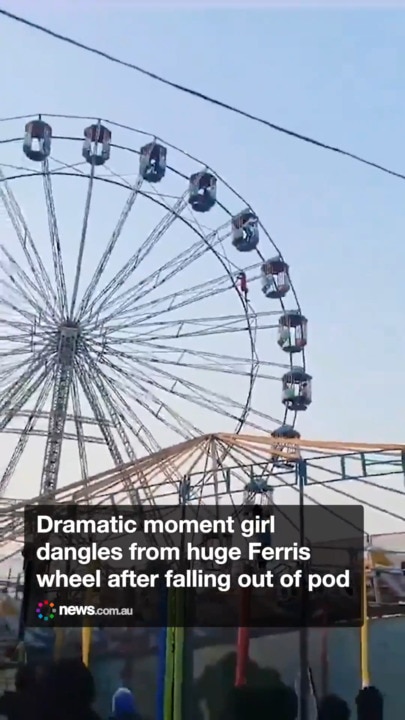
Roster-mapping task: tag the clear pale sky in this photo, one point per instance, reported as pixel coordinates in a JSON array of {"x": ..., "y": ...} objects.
[{"x": 335, "y": 75}]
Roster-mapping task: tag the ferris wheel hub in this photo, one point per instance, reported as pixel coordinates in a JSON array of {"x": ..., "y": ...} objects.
[
  {"x": 69, "y": 329},
  {"x": 68, "y": 337}
]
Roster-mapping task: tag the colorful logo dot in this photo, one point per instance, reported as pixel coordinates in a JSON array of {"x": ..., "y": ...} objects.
[{"x": 45, "y": 611}]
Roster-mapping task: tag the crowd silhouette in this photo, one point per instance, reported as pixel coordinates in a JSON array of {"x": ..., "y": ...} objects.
[{"x": 65, "y": 690}]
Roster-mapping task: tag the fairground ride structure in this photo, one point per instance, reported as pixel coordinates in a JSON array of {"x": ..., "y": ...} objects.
[
  {"x": 241, "y": 470},
  {"x": 119, "y": 338},
  {"x": 149, "y": 338}
]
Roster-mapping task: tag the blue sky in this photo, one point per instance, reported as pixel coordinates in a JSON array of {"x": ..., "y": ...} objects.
[{"x": 335, "y": 75}]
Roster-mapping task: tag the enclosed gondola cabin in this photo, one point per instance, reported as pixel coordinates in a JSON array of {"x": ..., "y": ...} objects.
[
  {"x": 245, "y": 231},
  {"x": 257, "y": 492},
  {"x": 289, "y": 452},
  {"x": 97, "y": 144},
  {"x": 152, "y": 162},
  {"x": 297, "y": 389},
  {"x": 37, "y": 140},
  {"x": 257, "y": 496},
  {"x": 292, "y": 331},
  {"x": 202, "y": 193},
  {"x": 275, "y": 278}
]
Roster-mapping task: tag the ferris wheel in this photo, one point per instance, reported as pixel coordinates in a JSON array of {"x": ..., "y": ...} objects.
[{"x": 142, "y": 303}]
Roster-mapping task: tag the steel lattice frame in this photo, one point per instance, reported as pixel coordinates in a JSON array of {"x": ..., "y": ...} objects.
[
  {"x": 234, "y": 470},
  {"x": 128, "y": 346}
]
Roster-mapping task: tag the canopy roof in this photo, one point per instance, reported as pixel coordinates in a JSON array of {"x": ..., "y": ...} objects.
[{"x": 217, "y": 468}]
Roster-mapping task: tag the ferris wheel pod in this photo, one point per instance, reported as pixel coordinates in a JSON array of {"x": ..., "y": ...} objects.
[
  {"x": 245, "y": 231},
  {"x": 275, "y": 278},
  {"x": 152, "y": 162},
  {"x": 97, "y": 144},
  {"x": 254, "y": 492},
  {"x": 202, "y": 191},
  {"x": 292, "y": 331},
  {"x": 284, "y": 433},
  {"x": 37, "y": 140},
  {"x": 297, "y": 389}
]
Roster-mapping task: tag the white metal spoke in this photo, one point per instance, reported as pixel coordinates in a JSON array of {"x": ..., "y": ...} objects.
[
  {"x": 169, "y": 303},
  {"x": 37, "y": 363},
  {"x": 63, "y": 377},
  {"x": 87, "y": 386},
  {"x": 26, "y": 241},
  {"x": 131, "y": 391},
  {"x": 183, "y": 329},
  {"x": 130, "y": 202},
  {"x": 203, "y": 396},
  {"x": 154, "y": 379},
  {"x": 84, "y": 465},
  {"x": 124, "y": 415},
  {"x": 102, "y": 390},
  {"x": 61, "y": 291},
  {"x": 99, "y": 414},
  {"x": 83, "y": 236},
  {"x": 133, "y": 263},
  {"x": 19, "y": 394},
  {"x": 156, "y": 406},
  {"x": 27, "y": 288},
  {"x": 36, "y": 432},
  {"x": 158, "y": 278},
  {"x": 24, "y": 436},
  {"x": 234, "y": 368}
]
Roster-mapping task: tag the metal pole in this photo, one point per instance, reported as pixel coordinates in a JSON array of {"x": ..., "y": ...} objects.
[
  {"x": 190, "y": 702},
  {"x": 189, "y": 597},
  {"x": 303, "y": 631}
]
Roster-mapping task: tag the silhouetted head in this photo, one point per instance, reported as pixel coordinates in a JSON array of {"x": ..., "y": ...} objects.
[
  {"x": 278, "y": 701},
  {"x": 333, "y": 707},
  {"x": 370, "y": 704},
  {"x": 70, "y": 684},
  {"x": 25, "y": 678}
]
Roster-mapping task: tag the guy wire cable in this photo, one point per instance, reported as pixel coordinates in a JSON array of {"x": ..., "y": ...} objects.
[{"x": 197, "y": 94}]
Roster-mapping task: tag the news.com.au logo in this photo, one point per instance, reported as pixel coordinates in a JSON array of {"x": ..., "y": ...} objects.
[{"x": 45, "y": 611}]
